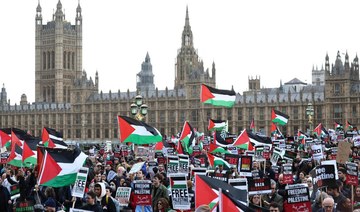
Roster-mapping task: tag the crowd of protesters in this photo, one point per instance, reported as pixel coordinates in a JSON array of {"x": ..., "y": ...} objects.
[{"x": 101, "y": 186}]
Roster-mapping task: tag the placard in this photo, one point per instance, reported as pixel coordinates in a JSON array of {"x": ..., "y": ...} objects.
[
  {"x": 80, "y": 182},
  {"x": 179, "y": 192},
  {"x": 199, "y": 171},
  {"x": 232, "y": 159},
  {"x": 325, "y": 175},
  {"x": 183, "y": 164},
  {"x": 317, "y": 152},
  {"x": 343, "y": 152},
  {"x": 123, "y": 195},
  {"x": 14, "y": 191},
  {"x": 245, "y": 166},
  {"x": 298, "y": 199},
  {"x": 4, "y": 157},
  {"x": 172, "y": 165},
  {"x": 352, "y": 172},
  {"x": 287, "y": 174},
  {"x": 24, "y": 206},
  {"x": 259, "y": 186},
  {"x": 142, "y": 192},
  {"x": 220, "y": 176}
]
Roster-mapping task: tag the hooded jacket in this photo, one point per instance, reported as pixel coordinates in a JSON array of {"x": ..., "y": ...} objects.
[{"x": 106, "y": 202}]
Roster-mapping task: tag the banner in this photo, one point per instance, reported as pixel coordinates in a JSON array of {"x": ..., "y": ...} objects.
[
  {"x": 287, "y": 174},
  {"x": 172, "y": 165},
  {"x": 24, "y": 206},
  {"x": 123, "y": 195},
  {"x": 219, "y": 176},
  {"x": 245, "y": 166},
  {"x": 179, "y": 192},
  {"x": 80, "y": 183},
  {"x": 203, "y": 159},
  {"x": 183, "y": 164},
  {"x": 142, "y": 192},
  {"x": 352, "y": 174},
  {"x": 276, "y": 170},
  {"x": 196, "y": 150},
  {"x": 14, "y": 191},
  {"x": 297, "y": 199},
  {"x": 259, "y": 186},
  {"x": 233, "y": 150},
  {"x": 325, "y": 175}
]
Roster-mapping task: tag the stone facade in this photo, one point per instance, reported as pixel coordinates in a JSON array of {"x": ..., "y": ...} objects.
[{"x": 67, "y": 100}]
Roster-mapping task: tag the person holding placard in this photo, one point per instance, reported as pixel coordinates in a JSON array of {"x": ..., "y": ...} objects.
[{"x": 91, "y": 204}]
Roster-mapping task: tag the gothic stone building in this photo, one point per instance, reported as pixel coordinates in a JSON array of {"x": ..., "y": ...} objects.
[{"x": 68, "y": 100}]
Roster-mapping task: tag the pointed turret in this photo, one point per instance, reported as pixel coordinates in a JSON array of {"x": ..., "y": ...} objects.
[
  {"x": 97, "y": 80},
  {"x": 147, "y": 58},
  {"x": 38, "y": 8},
  {"x": 327, "y": 63},
  {"x": 187, "y": 37},
  {"x": 59, "y": 15},
  {"x": 78, "y": 18},
  {"x": 38, "y": 17}
]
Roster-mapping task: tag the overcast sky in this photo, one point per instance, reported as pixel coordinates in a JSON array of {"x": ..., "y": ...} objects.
[{"x": 276, "y": 40}]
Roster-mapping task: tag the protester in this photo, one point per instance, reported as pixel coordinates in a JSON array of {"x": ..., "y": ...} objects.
[
  {"x": 357, "y": 198},
  {"x": 103, "y": 198},
  {"x": 274, "y": 207},
  {"x": 203, "y": 208},
  {"x": 273, "y": 197},
  {"x": 5, "y": 202},
  {"x": 335, "y": 193},
  {"x": 159, "y": 190},
  {"x": 91, "y": 204},
  {"x": 327, "y": 205},
  {"x": 162, "y": 205}
]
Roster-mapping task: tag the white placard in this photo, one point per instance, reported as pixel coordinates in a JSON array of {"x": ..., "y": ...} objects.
[{"x": 80, "y": 183}]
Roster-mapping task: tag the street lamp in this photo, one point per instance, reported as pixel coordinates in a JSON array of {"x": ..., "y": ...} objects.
[
  {"x": 310, "y": 114},
  {"x": 138, "y": 109}
]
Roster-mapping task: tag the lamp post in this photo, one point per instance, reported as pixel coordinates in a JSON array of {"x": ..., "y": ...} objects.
[
  {"x": 310, "y": 114},
  {"x": 138, "y": 108}
]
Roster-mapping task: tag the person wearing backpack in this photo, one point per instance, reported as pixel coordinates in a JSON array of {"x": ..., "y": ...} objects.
[
  {"x": 116, "y": 202},
  {"x": 103, "y": 198}
]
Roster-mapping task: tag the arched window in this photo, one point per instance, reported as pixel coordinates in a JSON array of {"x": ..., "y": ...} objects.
[
  {"x": 44, "y": 60},
  {"x": 64, "y": 60},
  {"x": 52, "y": 59},
  {"x": 44, "y": 94},
  {"x": 48, "y": 60},
  {"x": 68, "y": 60},
  {"x": 52, "y": 94},
  {"x": 73, "y": 61}
]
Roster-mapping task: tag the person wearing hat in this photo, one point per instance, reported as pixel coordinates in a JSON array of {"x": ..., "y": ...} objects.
[{"x": 50, "y": 205}]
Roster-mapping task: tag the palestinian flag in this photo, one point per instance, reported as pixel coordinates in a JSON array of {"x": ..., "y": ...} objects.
[
  {"x": 349, "y": 126},
  {"x": 243, "y": 141},
  {"x": 53, "y": 139},
  {"x": 216, "y": 161},
  {"x": 229, "y": 203},
  {"x": 275, "y": 132},
  {"x": 178, "y": 182},
  {"x": 179, "y": 148},
  {"x": 252, "y": 125},
  {"x": 17, "y": 142},
  {"x": 29, "y": 154},
  {"x": 217, "y": 125},
  {"x": 338, "y": 126},
  {"x": 301, "y": 135},
  {"x": 279, "y": 117},
  {"x": 204, "y": 193},
  {"x": 59, "y": 167},
  {"x": 5, "y": 137},
  {"x": 187, "y": 137},
  {"x": 207, "y": 191},
  {"x": 217, "y": 97},
  {"x": 216, "y": 149},
  {"x": 137, "y": 132},
  {"x": 257, "y": 140},
  {"x": 320, "y": 130},
  {"x": 223, "y": 138}
]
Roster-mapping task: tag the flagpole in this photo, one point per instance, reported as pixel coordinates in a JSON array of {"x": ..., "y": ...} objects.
[
  {"x": 220, "y": 200},
  {"x": 203, "y": 115}
]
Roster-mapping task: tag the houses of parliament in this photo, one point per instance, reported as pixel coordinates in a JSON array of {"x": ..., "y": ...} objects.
[{"x": 68, "y": 100}]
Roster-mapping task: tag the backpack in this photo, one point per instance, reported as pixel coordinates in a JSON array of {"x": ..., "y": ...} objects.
[{"x": 117, "y": 203}]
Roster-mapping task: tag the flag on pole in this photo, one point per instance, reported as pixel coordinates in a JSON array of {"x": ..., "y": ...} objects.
[
  {"x": 217, "y": 97},
  {"x": 349, "y": 126},
  {"x": 279, "y": 117},
  {"x": 137, "y": 132},
  {"x": 243, "y": 141},
  {"x": 59, "y": 167},
  {"x": 187, "y": 136},
  {"x": 217, "y": 125},
  {"x": 216, "y": 161},
  {"x": 252, "y": 125},
  {"x": 52, "y": 138},
  {"x": 338, "y": 126},
  {"x": 5, "y": 137}
]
